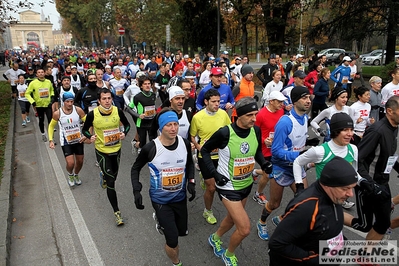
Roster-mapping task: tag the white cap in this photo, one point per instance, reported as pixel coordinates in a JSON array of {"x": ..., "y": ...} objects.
[
  {"x": 140, "y": 74},
  {"x": 211, "y": 58},
  {"x": 225, "y": 52},
  {"x": 175, "y": 91},
  {"x": 276, "y": 95},
  {"x": 347, "y": 58},
  {"x": 107, "y": 66},
  {"x": 186, "y": 56},
  {"x": 299, "y": 55},
  {"x": 50, "y": 60}
]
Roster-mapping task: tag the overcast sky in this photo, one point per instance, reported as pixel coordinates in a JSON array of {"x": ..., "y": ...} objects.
[{"x": 48, "y": 10}]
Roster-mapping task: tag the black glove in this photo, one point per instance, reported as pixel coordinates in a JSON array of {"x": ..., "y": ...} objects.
[
  {"x": 372, "y": 188},
  {"x": 339, "y": 84},
  {"x": 138, "y": 200},
  {"x": 34, "y": 104},
  {"x": 256, "y": 97},
  {"x": 322, "y": 132},
  {"x": 312, "y": 142},
  {"x": 299, "y": 188},
  {"x": 220, "y": 179},
  {"x": 267, "y": 167},
  {"x": 191, "y": 190}
]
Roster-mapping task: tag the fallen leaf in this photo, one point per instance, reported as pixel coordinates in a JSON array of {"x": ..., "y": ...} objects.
[
  {"x": 21, "y": 237},
  {"x": 14, "y": 219}
]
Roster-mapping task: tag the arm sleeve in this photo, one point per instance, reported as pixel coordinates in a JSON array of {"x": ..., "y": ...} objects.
[
  {"x": 200, "y": 100},
  {"x": 124, "y": 121},
  {"x": 366, "y": 149},
  {"x": 281, "y": 132},
  {"x": 259, "y": 74},
  {"x": 51, "y": 127},
  {"x": 259, "y": 158},
  {"x": 335, "y": 71},
  {"x": 320, "y": 117},
  {"x": 141, "y": 160},
  {"x": 219, "y": 139},
  {"x": 316, "y": 89},
  {"x": 310, "y": 156},
  {"x": 284, "y": 238},
  {"x": 126, "y": 95},
  {"x": 236, "y": 90},
  {"x": 88, "y": 123},
  {"x": 190, "y": 173},
  {"x": 28, "y": 92}
]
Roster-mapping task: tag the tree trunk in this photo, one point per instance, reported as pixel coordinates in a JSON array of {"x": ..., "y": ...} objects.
[
  {"x": 391, "y": 34},
  {"x": 244, "y": 37}
]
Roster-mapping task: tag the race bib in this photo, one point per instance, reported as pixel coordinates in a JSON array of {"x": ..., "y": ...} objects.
[
  {"x": 22, "y": 94},
  {"x": 73, "y": 136},
  {"x": 390, "y": 163},
  {"x": 335, "y": 243},
  {"x": 149, "y": 111},
  {"x": 111, "y": 136},
  {"x": 243, "y": 167},
  {"x": 119, "y": 91},
  {"x": 172, "y": 178},
  {"x": 44, "y": 93}
]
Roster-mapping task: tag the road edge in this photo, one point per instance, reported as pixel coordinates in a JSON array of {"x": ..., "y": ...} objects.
[{"x": 6, "y": 191}]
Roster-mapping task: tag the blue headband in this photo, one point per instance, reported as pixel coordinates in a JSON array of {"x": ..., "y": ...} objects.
[
  {"x": 169, "y": 116},
  {"x": 67, "y": 96}
]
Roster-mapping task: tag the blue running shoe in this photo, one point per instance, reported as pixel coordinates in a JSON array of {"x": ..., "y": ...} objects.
[
  {"x": 217, "y": 246},
  {"x": 262, "y": 231}
]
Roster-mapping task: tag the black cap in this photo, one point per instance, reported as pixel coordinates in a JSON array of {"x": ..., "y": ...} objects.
[
  {"x": 298, "y": 92},
  {"x": 338, "y": 173},
  {"x": 65, "y": 77},
  {"x": 336, "y": 92},
  {"x": 339, "y": 121},
  {"x": 273, "y": 56},
  {"x": 299, "y": 74}
]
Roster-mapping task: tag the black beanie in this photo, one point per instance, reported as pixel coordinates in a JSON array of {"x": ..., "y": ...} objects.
[
  {"x": 336, "y": 92},
  {"x": 340, "y": 121},
  {"x": 246, "y": 69},
  {"x": 298, "y": 92},
  {"x": 338, "y": 173}
]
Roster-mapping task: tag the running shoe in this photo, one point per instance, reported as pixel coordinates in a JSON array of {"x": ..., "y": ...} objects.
[
  {"x": 71, "y": 180},
  {"x": 27, "y": 119},
  {"x": 44, "y": 138},
  {"x": 217, "y": 246},
  {"x": 24, "y": 123},
  {"x": 77, "y": 180},
  {"x": 103, "y": 182},
  {"x": 208, "y": 215},
  {"x": 261, "y": 198},
  {"x": 347, "y": 204},
  {"x": 157, "y": 226},
  {"x": 97, "y": 164},
  {"x": 276, "y": 220},
  {"x": 388, "y": 233},
  {"x": 179, "y": 264},
  {"x": 118, "y": 218},
  {"x": 202, "y": 181},
  {"x": 255, "y": 176},
  {"x": 134, "y": 149},
  {"x": 262, "y": 231},
  {"x": 230, "y": 261}
]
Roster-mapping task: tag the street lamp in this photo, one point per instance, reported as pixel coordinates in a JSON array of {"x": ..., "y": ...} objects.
[{"x": 300, "y": 27}]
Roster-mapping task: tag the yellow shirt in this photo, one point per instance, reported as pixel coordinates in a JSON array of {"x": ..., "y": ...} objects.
[
  {"x": 106, "y": 127},
  {"x": 205, "y": 124}
]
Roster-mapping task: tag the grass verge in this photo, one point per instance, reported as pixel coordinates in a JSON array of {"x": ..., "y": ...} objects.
[{"x": 5, "y": 103}]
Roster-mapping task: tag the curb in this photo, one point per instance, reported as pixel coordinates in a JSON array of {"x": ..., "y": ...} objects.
[{"x": 6, "y": 191}]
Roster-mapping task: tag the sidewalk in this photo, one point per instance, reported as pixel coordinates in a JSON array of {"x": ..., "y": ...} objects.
[{"x": 5, "y": 187}]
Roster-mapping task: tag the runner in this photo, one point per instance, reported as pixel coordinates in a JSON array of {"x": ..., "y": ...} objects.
[
  {"x": 23, "y": 102},
  {"x": 239, "y": 148},
  {"x": 204, "y": 124},
  {"x": 40, "y": 94},
  {"x": 68, "y": 118},
  {"x": 106, "y": 119},
  {"x": 171, "y": 174}
]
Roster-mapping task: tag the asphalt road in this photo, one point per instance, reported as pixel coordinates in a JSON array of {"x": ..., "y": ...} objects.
[
  {"x": 83, "y": 231},
  {"x": 58, "y": 225}
]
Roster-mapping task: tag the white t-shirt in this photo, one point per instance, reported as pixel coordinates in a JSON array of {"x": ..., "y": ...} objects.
[
  {"x": 328, "y": 113},
  {"x": 362, "y": 110},
  {"x": 389, "y": 90}
]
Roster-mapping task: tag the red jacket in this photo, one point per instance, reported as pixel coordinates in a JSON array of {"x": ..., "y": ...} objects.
[{"x": 311, "y": 79}]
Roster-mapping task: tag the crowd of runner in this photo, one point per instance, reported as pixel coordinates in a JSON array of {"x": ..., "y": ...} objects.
[{"x": 202, "y": 114}]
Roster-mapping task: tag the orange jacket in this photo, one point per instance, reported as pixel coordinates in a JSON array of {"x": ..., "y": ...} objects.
[{"x": 247, "y": 89}]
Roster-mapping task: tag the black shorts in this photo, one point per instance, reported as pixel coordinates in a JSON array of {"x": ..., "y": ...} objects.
[
  {"x": 14, "y": 89},
  {"x": 204, "y": 170},
  {"x": 234, "y": 195},
  {"x": 173, "y": 218},
  {"x": 73, "y": 149},
  {"x": 25, "y": 106}
]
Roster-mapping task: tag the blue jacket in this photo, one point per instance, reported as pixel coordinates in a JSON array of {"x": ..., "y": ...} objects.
[
  {"x": 339, "y": 73},
  {"x": 321, "y": 91},
  {"x": 226, "y": 96}
]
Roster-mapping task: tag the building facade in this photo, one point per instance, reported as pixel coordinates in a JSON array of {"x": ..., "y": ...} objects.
[{"x": 33, "y": 30}]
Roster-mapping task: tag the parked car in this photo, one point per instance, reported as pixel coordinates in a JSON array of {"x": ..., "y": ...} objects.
[
  {"x": 374, "y": 52},
  {"x": 376, "y": 59},
  {"x": 333, "y": 55}
]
